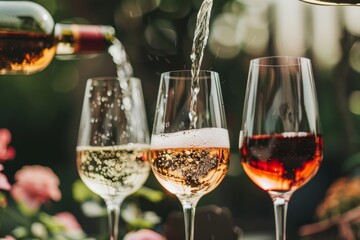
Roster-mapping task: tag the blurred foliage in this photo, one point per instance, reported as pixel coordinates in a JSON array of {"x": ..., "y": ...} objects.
[
  {"x": 93, "y": 206},
  {"x": 352, "y": 165},
  {"x": 338, "y": 214}
]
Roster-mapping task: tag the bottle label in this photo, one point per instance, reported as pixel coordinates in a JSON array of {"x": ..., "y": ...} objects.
[{"x": 88, "y": 39}]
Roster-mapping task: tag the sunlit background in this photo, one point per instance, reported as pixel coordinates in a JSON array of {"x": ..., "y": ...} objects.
[{"x": 42, "y": 111}]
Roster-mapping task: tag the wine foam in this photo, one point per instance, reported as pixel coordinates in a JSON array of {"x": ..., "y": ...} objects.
[{"x": 204, "y": 138}]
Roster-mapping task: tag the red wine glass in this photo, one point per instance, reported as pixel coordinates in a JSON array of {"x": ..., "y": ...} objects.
[{"x": 280, "y": 144}]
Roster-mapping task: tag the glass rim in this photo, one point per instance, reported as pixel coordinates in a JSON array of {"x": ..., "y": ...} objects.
[
  {"x": 111, "y": 78},
  {"x": 268, "y": 61},
  {"x": 187, "y": 75},
  {"x": 187, "y": 70}
]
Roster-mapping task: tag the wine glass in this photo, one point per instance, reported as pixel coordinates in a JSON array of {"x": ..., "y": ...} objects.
[
  {"x": 280, "y": 144},
  {"x": 190, "y": 144},
  {"x": 113, "y": 142}
]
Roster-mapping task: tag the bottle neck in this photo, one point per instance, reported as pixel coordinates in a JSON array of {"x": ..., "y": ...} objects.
[
  {"x": 74, "y": 39},
  {"x": 334, "y": 2}
]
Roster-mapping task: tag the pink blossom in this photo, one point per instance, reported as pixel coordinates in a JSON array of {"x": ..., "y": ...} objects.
[
  {"x": 8, "y": 237},
  {"x": 68, "y": 221},
  {"x": 6, "y": 153},
  {"x": 4, "y": 184},
  {"x": 35, "y": 185},
  {"x": 144, "y": 234}
]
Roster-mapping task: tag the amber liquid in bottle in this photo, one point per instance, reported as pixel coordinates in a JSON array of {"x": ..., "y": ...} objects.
[
  {"x": 25, "y": 52},
  {"x": 30, "y": 52}
]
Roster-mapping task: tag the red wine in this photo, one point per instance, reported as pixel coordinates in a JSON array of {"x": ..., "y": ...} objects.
[{"x": 281, "y": 162}]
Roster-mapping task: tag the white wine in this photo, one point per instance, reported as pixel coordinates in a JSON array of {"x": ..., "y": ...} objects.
[
  {"x": 114, "y": 170},
  {"x": 191, "y": 162}
]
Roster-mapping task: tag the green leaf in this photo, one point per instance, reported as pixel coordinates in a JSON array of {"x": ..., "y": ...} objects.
[
  {"x": 82, "y": 193},
  {"x": 137, "y": 219},
  {"x": 140, "y": 223},
  {"x": 3, "y": 200},
  {"x": 51, "y": 223},
  {"x": 20, "y": 232},
  {"x": 150, "y": 194},
  {"x": 93, "y": 209},
  {"x": 353, "y": 163},
  {"x": 26, "y": 211},
  {"x": 39, "y": 230}
]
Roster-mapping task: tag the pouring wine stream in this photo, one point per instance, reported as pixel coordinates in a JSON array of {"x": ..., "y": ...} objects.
[{"x": 199, "y": 42}]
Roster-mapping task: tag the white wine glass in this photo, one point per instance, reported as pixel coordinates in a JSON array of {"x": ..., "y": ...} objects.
[
  {"x": 281, "y": 143},
  {"x": 190, "y": 143},
  {"x": 113, "y": 142}
]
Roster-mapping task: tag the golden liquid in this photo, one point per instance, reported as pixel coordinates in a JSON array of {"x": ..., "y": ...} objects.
[
  {"x": 113, "y": 171},
  {"x": 190, "y": 171},
  {"x": 25, "y": 53}
]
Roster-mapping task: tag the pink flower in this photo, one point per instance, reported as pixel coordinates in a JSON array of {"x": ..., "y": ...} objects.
[
  {"x": 144, "y": 234},
  {"x": 4, "y": 184},
  {"x": 8, "y": 237},
  {"x": 6, "y": 153},
  {"x": 35, "y": 185},
  {"x": 68, "y": 221}
]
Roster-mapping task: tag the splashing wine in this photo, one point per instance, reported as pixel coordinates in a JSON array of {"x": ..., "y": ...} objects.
[
  {"x": 200, "y": 40},
  {"x": 120, "y": 58}
]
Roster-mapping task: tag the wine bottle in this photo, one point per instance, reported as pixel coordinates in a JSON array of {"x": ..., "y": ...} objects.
[
  {"x": 333, "y": 2},
  {"x": 29, "y": 38}
]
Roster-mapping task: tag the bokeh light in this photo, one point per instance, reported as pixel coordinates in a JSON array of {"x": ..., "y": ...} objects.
[
  {"x": 66, "y": 80},
  {"x": 326, "y": 36},
  {"x": 136, "y": 8},
  {"x": 161, "y": 36},
  {"x": 354, "y": 102},
  {"x": 257, "y": 34},
  {"x": 352, "y": 20},
  {"x": 50, "y": 5},
  {"x": 175, "y": 9},
  {"x": 127, "y": 15},
  {"x": 226, "y": 33},
  {"x": 289, "y": 35},
  {"x": 241, "y": 25},
  {"x": 354, "y": 57}
]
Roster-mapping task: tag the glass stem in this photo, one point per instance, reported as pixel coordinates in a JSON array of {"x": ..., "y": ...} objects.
[
  {"x": 189, "y": 217},
  {"x": 113, "y": 208},
  {"x": 280, "y": 207}
]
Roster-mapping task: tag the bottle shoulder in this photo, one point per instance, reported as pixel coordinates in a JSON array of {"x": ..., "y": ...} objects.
[{"x": 25, "y": 16}]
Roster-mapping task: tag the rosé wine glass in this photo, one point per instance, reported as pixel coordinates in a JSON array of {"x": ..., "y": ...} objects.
[
  {"x": 113, "y": 142},
  {"x": 280, "y": 144},
  {"x": 190, "y": 143}
]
